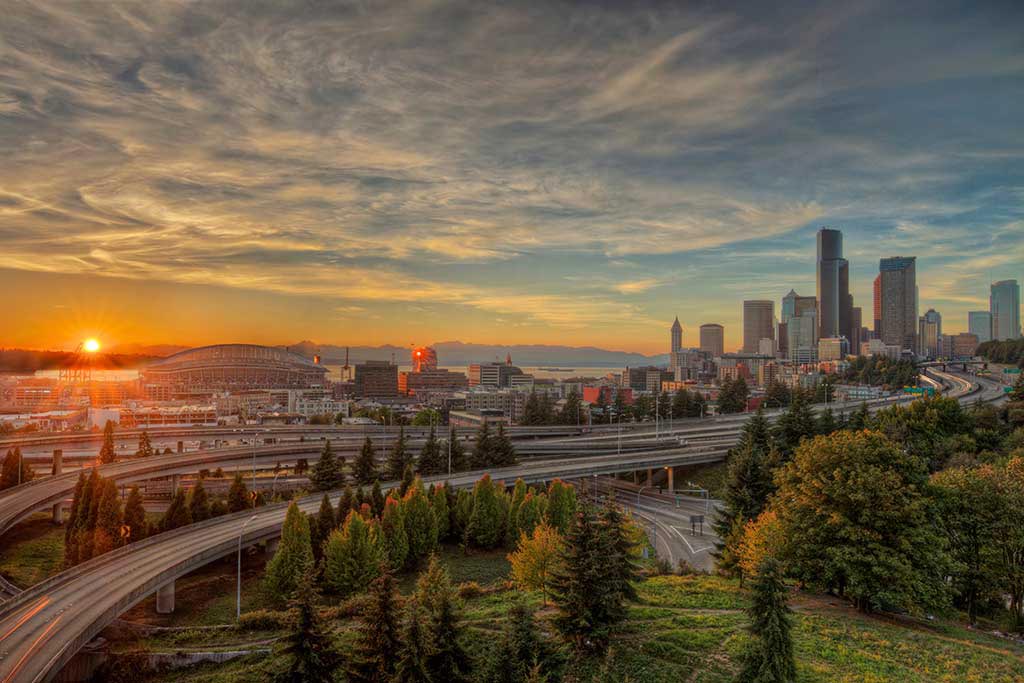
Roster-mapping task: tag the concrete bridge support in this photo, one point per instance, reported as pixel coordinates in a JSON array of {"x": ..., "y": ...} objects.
[
  {"x": 175, "y": 483},
  {"x": 650, "y": 477},
  {"x": 57, "y": 468},
  {"x": 272, "y": 545},
  {"x": 165, "y": 599},
  {"x": 181, "y": 446},
  {"x": 671, "y": 479}
]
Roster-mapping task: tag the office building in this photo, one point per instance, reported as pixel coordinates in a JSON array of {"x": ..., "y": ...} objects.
[
  {"x": 676, "y": 347},
  {"x": 964, "y": 345},
  {"x": 1004, "y": 305},
  {"x": 877, "y": 322},
  {"x": 979, "y": 323},
  {"x": 833, "y": 348},
  {"x": 494, "y": 374},
  {"x": 426, "y": 382},
  {"x": 899, "y": 301},
  {"x": 376, "y": 379},
  {"x": 758, "y": 323},
  {"x": 856, "y": 337},
  {"x": 833, "y": 276},
  {"x": 712, "y": 339},
  {"x": 929, "y": 334},
  {"x": 802, "y": 342}
]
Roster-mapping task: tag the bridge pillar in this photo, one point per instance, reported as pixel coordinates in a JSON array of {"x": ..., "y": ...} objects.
[
  {"x": 181, "y": 446},
  {"x": 165, "y": 598},
  {"x": 650, "y": 477},
  {"x": 671, "y": 479},
  {"x": 272, "y": 545},
  {"x": 58, "y": 462},
  {"x": 175, "y": 484},
  {"x": 58, "y": 513}
]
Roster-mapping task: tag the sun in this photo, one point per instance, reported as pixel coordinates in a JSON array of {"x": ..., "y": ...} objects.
[{"x": 91, "y": 345}]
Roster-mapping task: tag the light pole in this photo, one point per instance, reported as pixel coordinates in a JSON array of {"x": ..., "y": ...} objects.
[
  {"x": 657, "y": 414},
  {"x": 254, "y": 469},
  {"x": 238, "y": 600}
]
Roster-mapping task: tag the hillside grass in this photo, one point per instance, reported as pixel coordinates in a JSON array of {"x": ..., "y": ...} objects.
[{"x": 32, "y": 550}]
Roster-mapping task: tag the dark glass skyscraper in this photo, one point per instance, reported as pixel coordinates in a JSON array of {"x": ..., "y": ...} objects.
[
  {"x": 835, "y": 305},
  {"x": 899, "y": 301}
]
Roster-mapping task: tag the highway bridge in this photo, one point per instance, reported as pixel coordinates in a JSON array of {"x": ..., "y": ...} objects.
[{"x": 42, "y": 627}]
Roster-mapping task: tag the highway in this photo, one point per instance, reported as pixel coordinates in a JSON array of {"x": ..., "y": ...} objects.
[{"x": 42, "y": 627}]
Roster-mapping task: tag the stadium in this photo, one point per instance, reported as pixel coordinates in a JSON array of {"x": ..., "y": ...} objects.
[{"x": 229, "y": 368}]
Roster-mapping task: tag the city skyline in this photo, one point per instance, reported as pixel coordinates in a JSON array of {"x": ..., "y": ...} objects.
[{"x": 492, "y": 176}]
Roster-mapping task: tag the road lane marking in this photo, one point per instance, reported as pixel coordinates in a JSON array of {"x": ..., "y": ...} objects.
[
  {"x": 31, "y": 649},
  {"x": 43, "y": 602}
]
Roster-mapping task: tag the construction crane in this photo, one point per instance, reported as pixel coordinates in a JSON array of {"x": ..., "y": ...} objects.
[{"x": 346, "y": 368}]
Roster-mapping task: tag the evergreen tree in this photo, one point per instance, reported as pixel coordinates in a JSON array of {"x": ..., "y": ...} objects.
[
  {"x": 420, "y": 522},
  {"x": 572, "y": 409},
  {"x": 777, "y": 395},
  {"x": 320, "y": 527},
  {"x": 394, "y": 539},
  {"x": 621, "y": 568},
  {"x": 177, "y": 513},
  {"x": 81, "y": 534},
  {"x": 859, "y": 419},
  {"x": 582, "y": 593},
  {"x": 365, "y": 468},
  {"x": 15, "y": 470},
  {"x": 531, "y": 513},
  {"x": 198, "y": 503},
  {"x": 770, "y": 658},
  {"x": 756, "y": 432},
  {"x": 1017, "y": 393},
  {"x": 503, "y": 453},
  {"x": 748, "y": 485},
  {"x": 826, "y": 422},
  {"x": 308, "y": 647},
  {"x": 681, "y": 404},
  {"x": 457, "y": 454},
  {"x": 519, "y": 492},
  {"x": 238, "y": 495},
  {"x": 399, "y": 458},
  {"x": 480, "y": 458},
  {"x": 486, "y": 525},
  {"x": 107, "y": 454},
  {"x": 107, "y": 534},
  {"x": 408, "y": 476},
  {"x": 731, "y": 395},
  {"x": 794, "y": 425},
  {"x": 345, "y": 503},
  {"x": 377, "y": 499},
  {"x": 145, "y": 449},
  {"x": 439, "y": 503},
  {"x": 446, "y": 659},
  {"x": 430, "y": 460},
  {"x": 378, "y": 636},
  {"x": 328, "y": 473},
  {"x": 294, "y": 556},
  {"x": 352, "y": 557},
  {"x": 561, "y": 507},
  {"x": 531, "y": 411},
  {"x": 521, "y": 649},
  {"x": 412, "y": 654},
  {"x": 135, "y": 516}
]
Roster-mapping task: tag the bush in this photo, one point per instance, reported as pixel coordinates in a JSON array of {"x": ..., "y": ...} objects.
[
  {"x": 469, "y": 589},
  {"x": 663, "y": 567},
  {"x": 265, "y": 620}
]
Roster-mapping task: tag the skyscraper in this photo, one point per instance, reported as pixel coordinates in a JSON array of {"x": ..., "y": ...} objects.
[
  {"x": 677, "y": 337},
  {"x": 899, "y": 301},
  {"x": 877, "y": 321},
  {"x": 712, "y": 339},
  {"x": 758, "y": 323},
  {"x": 979, "y": 323},
  {"x": 834, "y": 301},
  {"x": 793, "y": 305},
  {"x": 929, "y": 334},
  {"x": 1004, "y": 305}
]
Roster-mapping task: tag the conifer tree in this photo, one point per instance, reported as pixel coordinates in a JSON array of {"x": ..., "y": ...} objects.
[
  {"x": 15, "y": 470},
  {"x": 294, "y": 556},
  {"x": 439, "y": 503},
  {"x": 378, "y": 636},
  {"x": 430, "y": 460},
  {"x": 518, "y": 496},
  {"x": 456, "y": 452},
  {"x": 321, "y": 525},
  {"x": 308, "y": 648},
  {"x": 364, "y": 470},
  {"x": 681, "y": 403},
  {"x": 198, "y": 503},
  {"x": 135, "y": 516},
  {"x": 72, "y": 524},
  {"x": 328, "y": 473},
  {"x": 770, "y": 657},
  {"x": 177, "y": 513},
  {"x": 352, "y": 557},
  {"x": 407, "y": 478},
  {"x": 748, "y": 485},
  {"x": 794, "y": 425},
  {"x": 572, "y": 409},
  {"x": 81, "y": 535},
  {"x": 521, "y": 649},
  {"x": 480, "y": 458},
  {"x": 621, "y": 568},
  {"x": 399, "y": 458},
  {"x": 345, "y": 503},
  {"x": 756, "y": 432},
  {"x": 446, "y": 659},
  {"x": 377, "y": 499},
  {"x": 859, "y": 419},
  {"x": 420, "y": 522},
  {"x": 238, "y": 495},
  {"x": 561, "y": 506},
  {"x": 486, "y": 524},
  {"x": 145, "y": 446},
  {"x": 531, "y": 513},
  {"x": 826, "y": 421},
  {"x": 394, "y": 539},
  {"x": 107, "y": 534},
  {"x": 412, "y": 654},
  {"x": 107, "y": 454},
  {"x": 503, "y": 453}
]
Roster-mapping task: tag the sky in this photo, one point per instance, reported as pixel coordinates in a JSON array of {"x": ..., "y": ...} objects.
[{"x": 571, "y": 173}]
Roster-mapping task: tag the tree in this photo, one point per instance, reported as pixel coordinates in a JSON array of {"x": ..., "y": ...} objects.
[
  {"x": 320, "y": 527},
  {"x": 107, "y": 454},
  {"x": 428, "y": 417},
  {"x": 583, "y": 595},
  {"x": 446, "y": 660},
  {"x": 412, "y": 654},
  {"x": 761, "y": 540},
  {"x": 328, "y": 473},
  {"x": 793, "y": 426},
  {"x": 859, "y": 419},
  {"x": 198, "y": 503},
  {"x": 530, "y": 513},
  {"x": 399, "y": 458},
  {"x": 486, "y": 527},
  {"x": 561, "y": 506},
  {"x": 457, "y": 454},
  {"x": 15, "y": 470},
  {"x": 238, "y": 495},
  {"x": 307, "y": 647},
  {"x": 294, "y": 556},
  {"x": 777, "y": 395},
  {"x": 748, "y": 485},
  {"x": 503, "y": 453},
  {"x": 365, "y": 467},
  {"x": 571, "y": 409},
  {"x": 430, "y": 460},
  {"x": 681, "y": 401},
  {"x": 480, "y": 458},
  {"x": 732, "y": 396},
  {"x": 770, "y": 657},
  {"x": 377, "y": 636},
  {"x": 826, "y": 422},
  {"x": 621, "y": 569},
  {"x": 856, "y": 518},
  {"x": 145, "y": 449},
  {"x": 394, "y": 539},
  {"x": 377, "y": 499},
  {"x": 135, "y": 516},
  {"x": 442, "y": 514},
  {"x": 1017, "y": 393},
  {"x": 177, "y": 513},
  {"x": 756, "y": 432},
  {"x": 520, "y": 651},
  {"x": 537, "y": 558},
  {"x": 352, "y": 557},
  {"x": 107, "y": 534},
  {"x": 519, "y": 491},
  {"x": 420, "y": 522}
]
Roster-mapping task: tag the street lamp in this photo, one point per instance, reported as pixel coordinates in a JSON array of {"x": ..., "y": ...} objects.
[
  {"x": 254, "y": 468},
  {"x": 238, "y": 601}
]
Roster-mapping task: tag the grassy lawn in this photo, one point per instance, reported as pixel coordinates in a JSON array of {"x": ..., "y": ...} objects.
[
  {"x": 711, "y": 477},
  {"x": 32, "y": 550}
]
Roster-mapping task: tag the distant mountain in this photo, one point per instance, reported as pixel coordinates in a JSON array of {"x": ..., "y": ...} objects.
[{"x": 460, "y": 353}]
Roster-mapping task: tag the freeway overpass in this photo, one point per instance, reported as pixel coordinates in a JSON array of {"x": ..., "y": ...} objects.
[{"x": 43, "y": 627}]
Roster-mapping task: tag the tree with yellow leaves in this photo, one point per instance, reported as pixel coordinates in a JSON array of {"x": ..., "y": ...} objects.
[{"x": 536, "y": 558}]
